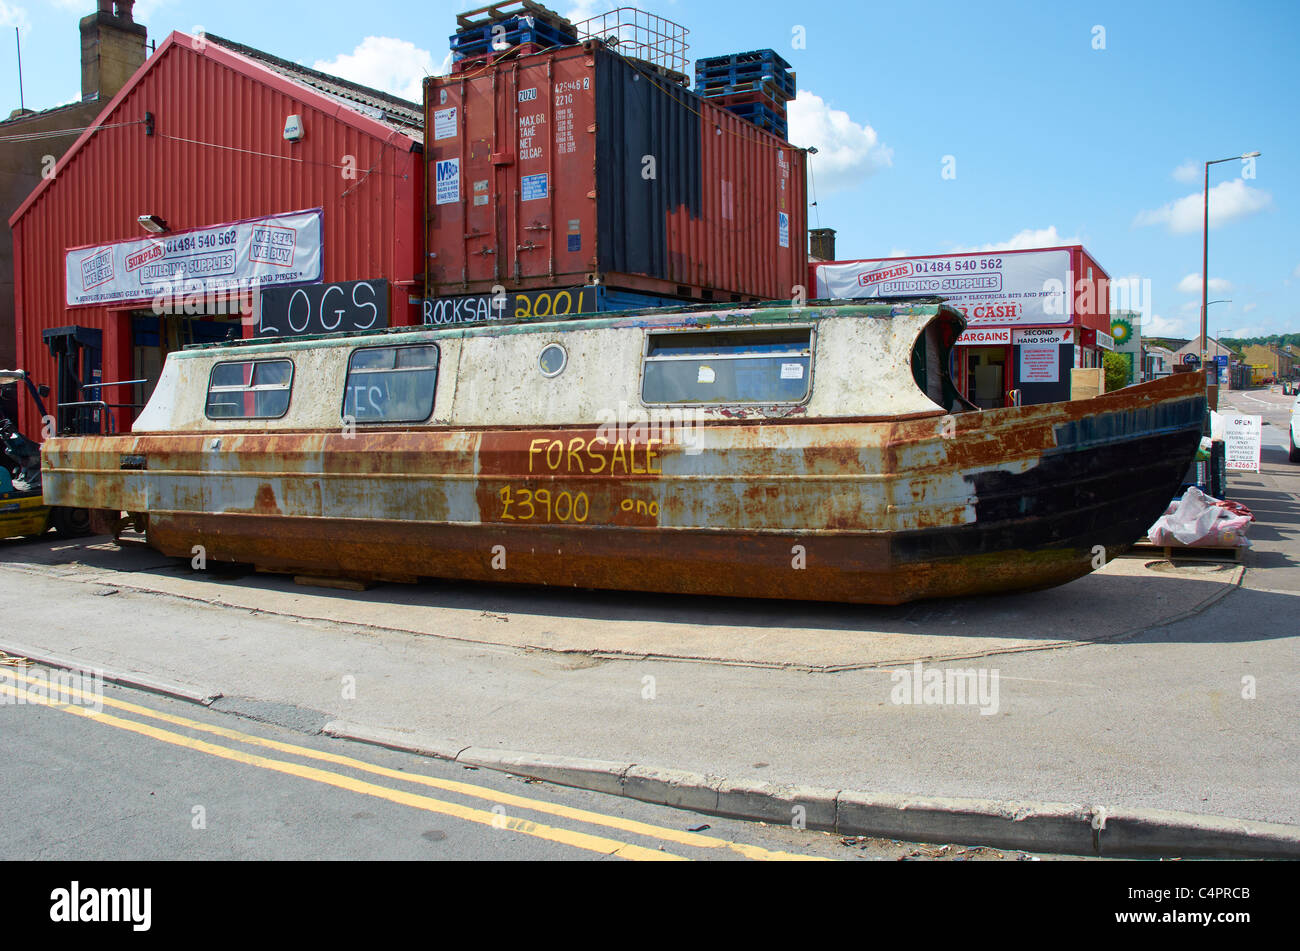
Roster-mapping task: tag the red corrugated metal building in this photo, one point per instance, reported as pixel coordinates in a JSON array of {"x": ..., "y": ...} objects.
[{"x": 214, "y": 151}]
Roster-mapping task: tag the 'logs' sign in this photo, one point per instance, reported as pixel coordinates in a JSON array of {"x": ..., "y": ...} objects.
[{"x": 323, "y": 308}]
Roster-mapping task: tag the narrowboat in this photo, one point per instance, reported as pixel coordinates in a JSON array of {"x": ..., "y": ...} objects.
[{"x": 816, "y": 452}]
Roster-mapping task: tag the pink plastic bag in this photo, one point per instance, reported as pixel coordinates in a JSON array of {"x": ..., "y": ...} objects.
[{"x": 1198, "y": 521}]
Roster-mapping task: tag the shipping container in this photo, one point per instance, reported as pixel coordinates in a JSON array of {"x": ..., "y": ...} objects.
[{"x": 579, "y": 167}]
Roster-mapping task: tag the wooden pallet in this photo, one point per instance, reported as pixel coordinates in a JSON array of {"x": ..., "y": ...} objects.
[
  {"x": 506, "y": 9},
  {"x": 765, "y": 86},
  {"x": 1144, "y": 549}
]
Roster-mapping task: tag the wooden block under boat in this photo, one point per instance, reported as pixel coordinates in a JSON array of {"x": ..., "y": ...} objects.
[{"x": 338, "y": 584}]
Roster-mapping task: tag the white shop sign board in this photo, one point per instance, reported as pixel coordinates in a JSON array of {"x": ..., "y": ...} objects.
[
  {"x": 984, "y": 337},
  {"x": 1015, "y": 288},
  {"x": 1040, "y": 363},
  {"x": 1244, "y": 439},
  {"x": 260, "y": 252},
  {"x": 1055, "y": 337}
]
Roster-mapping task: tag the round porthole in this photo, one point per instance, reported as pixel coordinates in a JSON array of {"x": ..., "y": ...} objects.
[{"x": 553, "y": 360}]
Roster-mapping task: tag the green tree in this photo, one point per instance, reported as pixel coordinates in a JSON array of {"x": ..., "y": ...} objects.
[{"x": 1117, "y": 371}]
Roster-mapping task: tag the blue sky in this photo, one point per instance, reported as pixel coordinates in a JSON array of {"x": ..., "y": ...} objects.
[{"x": 1084, "y": 122}]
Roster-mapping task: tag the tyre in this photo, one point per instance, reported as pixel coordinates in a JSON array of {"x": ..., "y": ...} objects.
[
  {"x": 71, "y": 523},
  {"x": 1295, "y": 450}
]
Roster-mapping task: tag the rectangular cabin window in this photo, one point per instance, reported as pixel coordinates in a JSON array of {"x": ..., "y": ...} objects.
[
  {"x": 251, "y": 389},
  {"x": 772, "y": 365},
  {"x": 391, "y": 384}
]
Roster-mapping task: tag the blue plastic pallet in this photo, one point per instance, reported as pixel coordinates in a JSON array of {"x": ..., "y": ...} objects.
[
  {"x": 735, "y": 59},
  {"x": 519, "y": 30},
  {"x": 761, "y": 116},
  {"x": 740, "y": 75},
  {"x": 750, "y": 110}
]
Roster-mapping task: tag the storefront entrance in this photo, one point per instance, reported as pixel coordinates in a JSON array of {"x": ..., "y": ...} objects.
[
  {"x": 986, "y": 379},
  {"x": 153, "y": 337}
]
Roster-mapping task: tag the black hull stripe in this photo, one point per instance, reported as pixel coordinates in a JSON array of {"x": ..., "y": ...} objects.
[{"x": 1050, "y": 507}]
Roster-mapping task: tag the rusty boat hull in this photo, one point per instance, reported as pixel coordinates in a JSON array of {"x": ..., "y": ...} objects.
[{"x": 867, "y": 510}]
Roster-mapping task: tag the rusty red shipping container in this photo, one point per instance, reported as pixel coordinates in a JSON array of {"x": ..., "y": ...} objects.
[
  {"x": 576, "y": 166},
  {"x": 216, "y": 153}
]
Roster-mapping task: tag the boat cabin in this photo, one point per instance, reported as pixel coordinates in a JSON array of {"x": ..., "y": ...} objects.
[{"x": 817, "y": 362}]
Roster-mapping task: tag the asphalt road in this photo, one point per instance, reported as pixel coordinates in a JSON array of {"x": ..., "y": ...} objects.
[
  {"x": 121, "y": 774},
  {"x": 152, "y": 778}
]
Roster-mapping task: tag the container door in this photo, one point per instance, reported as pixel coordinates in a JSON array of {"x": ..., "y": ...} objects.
[
  {"x": 511, "y": 175},
  {"x": 551, "y": 105},
  {"x": 461, "y": 138}
]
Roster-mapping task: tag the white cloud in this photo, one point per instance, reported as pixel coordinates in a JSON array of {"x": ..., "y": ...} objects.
[
  {"x": 846, "y": 151},
  {"x": 1188, "y": 172},
  {"x": 1191, "y": 284},
  {"x": 13, "y": 15},
  {"x": 144, "y": 10},
  {"x": 1247, "y": 308},
  {"x": 1158, "y": 326},
  {"x": 383, "y": 62},
  {"x": 1047, "y": 237},
  {"x": 581, "y": 10},
  {"x": 1249, "y": 330},
  {"x": 1228, "y": 201}
]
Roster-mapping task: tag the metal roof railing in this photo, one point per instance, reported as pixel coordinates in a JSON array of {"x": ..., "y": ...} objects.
[{"x": 640, "y": 35}]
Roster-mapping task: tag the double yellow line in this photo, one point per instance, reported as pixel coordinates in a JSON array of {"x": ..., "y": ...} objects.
[{"x": 498, "y": 820}]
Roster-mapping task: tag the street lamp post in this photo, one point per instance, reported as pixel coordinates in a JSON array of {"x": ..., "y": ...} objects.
[
  {"x": 1217, "y": 345},
  {"x": 1205, "y": 255}
]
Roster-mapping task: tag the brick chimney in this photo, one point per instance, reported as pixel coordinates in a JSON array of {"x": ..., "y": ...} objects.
[
  {"x": 112, "y": 49},
  {"x": 823, "y": 243}
]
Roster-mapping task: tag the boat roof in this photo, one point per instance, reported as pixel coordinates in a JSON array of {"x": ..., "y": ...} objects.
[{"x": 697, "y": 316}]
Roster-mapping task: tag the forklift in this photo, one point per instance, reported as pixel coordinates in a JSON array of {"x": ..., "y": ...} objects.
[{"x": 23, "y": 512}]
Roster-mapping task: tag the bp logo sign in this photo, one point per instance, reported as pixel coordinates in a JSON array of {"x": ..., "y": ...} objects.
[{"x": 1122, "y": 330}]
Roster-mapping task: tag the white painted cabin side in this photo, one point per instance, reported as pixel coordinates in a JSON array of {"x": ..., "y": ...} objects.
[{"x": 857, "y": 366}]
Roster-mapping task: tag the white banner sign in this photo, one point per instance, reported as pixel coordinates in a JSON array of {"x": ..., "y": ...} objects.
[
  {"x": 1244, "y": 437},
  {"x": 1040, "y": 363},
  {"x": 1006, "y": 288},
  {"x": 1043, "y": 337},
  {"x": 997, "y": 337},
  {"x": 284, "y": 249}
]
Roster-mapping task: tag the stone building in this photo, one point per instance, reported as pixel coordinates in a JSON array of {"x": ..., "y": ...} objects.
[
  {"x": 31, "y": 142},
  {"x": 1279, "y": 361}
]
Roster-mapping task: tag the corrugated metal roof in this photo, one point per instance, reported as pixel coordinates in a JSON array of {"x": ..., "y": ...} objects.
[{"x": 407, "y": 117}]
